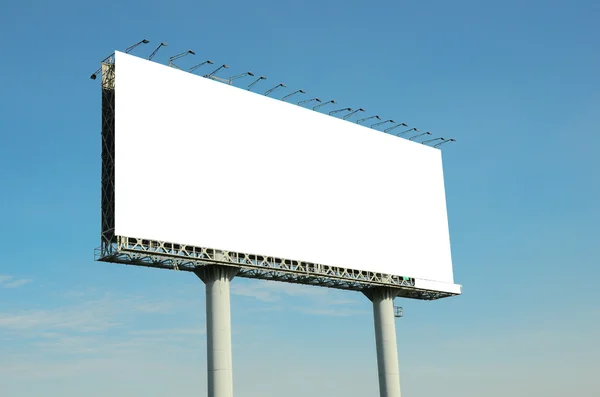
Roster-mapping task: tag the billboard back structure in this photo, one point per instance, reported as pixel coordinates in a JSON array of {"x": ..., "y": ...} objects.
[{"x": 193, "y": 167}]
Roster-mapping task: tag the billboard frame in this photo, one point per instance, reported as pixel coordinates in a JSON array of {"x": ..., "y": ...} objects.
[{"x": 167, "y": 255}]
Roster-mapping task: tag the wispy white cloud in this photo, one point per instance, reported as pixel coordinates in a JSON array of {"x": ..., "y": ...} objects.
[
  {"x": 103, "y": 344},
  {"x": 10, "y": 282},
  {"x": 153, "y": 307},
  {"x": 270, "y": 291},
  {"x": 330, "y": 311},
  {"x": 319, "y": 301},
  {"x": 168, "y": 332},
  {"x": 68, "y": 344},
  {"x": 99, "y": 327},
  {"x": 17, "y": 283},
  {"x": 91, "y": 315},
  {"x": 82, "y": 318},
  {"x": 251, "y": 291}
]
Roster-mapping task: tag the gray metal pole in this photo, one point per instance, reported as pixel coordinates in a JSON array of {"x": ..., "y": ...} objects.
[
  {"x": 218, "y": 328},
  {"x": 385, "y": 339}
]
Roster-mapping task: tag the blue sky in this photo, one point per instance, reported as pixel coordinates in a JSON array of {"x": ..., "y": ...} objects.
[{"x": 515, "y": 82}]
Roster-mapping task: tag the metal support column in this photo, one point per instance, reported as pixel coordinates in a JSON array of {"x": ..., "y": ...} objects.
[
  {"x": 385, "y": 339},
  {"x": 218, "y": 328}
]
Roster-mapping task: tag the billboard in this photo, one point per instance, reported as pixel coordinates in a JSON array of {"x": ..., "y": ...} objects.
[{"x": 207, "y": 164}]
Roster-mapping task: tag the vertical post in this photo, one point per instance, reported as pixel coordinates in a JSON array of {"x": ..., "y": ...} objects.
[
  {"x": 385, "y": 340},
  {"x": 218, "y": 328}
]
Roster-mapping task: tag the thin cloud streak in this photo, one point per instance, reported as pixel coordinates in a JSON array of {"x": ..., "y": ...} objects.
[
  {"x": 17, "y": 283},
  {"x": 319, "y": 301},
  {"x": 270, "y": 291},
  {"x": 10, "y": 282},
  {"x": 330, "y": 311},
  {"x": 88, "y": 316},
  {"x": 169, "y": 332}
]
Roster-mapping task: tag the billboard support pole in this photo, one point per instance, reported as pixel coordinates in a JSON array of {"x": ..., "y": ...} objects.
[
  {"x": 218, "y": 328},
  {"x": 385, "y": 340}
]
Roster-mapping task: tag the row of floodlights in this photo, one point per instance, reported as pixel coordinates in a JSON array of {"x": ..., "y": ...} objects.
[{"x": 211, "y": 75}]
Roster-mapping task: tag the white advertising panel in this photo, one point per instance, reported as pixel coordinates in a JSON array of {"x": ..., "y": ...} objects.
[{"x": 203, "y": 163}]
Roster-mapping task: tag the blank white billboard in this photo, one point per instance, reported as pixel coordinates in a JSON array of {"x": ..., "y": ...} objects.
[{"x": 203, "y": 163}]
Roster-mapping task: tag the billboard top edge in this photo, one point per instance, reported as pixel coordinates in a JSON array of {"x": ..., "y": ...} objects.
[{"x": 364, "y": 128}]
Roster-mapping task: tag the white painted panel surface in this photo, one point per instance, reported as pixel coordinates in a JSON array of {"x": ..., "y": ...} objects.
[{"x": 203, "y": 163}]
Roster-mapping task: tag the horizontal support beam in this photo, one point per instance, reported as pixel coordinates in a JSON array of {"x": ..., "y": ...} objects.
[{"x": 163, "y": 255}]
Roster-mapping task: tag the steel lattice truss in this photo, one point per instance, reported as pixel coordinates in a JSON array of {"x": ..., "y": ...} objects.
[
  {"x": 166, "y": 255},
  {"x": 108, "y": 154}
]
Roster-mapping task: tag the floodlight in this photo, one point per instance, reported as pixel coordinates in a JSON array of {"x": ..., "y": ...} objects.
[
  {"x": 293, "y": 93},
  {"x": 309, "y": 100},
  {"x": 267, "y": 92},
  {"x": 446, "y": 141},
  {"x": 409, "y": 130},
  {"x": 418, "y": 135},
  {"x": 256, "y": 81},
  {"x": 351, "y": 113},
  {"x": 324, "y": 103},
  {"x": 383, "y": 122},
  {"x": 130, "y": 48},
  {"x": 396, "y": 126},
  {"x": 208, "y": 61},
  {"x": 93, "y": 76},
  {"x": 223, "y": 66},
  {"x": 156, "y": 50},
  {"x": 174, "y": 57},
  {"x": 340, "y": 110},
  {"x": 127, "y": 50},
  {"x": 240, "y": 76},
  {"x": 368, "y": 118},
  {"x": 432, "y": 140}
]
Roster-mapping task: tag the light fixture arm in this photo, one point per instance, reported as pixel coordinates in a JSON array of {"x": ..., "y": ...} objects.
[
  {"x": 340, "y": 110},
  {"x": 309, "y": 100},
  {"x": 174, "y": 57},
  {"x": 382, "y": 122},
  {"x": 323, "y": 104},
  {"x": 416, "y": 136},
  {"x": 273, "y": 89},
  {"x": 239, "y": 76},
  {"x": 200, "y": 64},
  {"x": 353, "y": 112},
  {"x": 368, "y": 118},
  {"x": 156, "y": 50},
  {"x": 130, "y": 48},
  {"x": 209, "y": 75},
  {"x": 432, "y": 140},
  {"x": 409, "y": 130},
  {"x": 394, "y": 127},
  {"x": 446, "y": 141},
  {"x": 256, "y": 81},
  {"x": 293, "y": 93}
]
